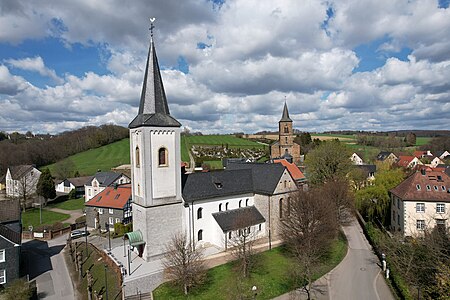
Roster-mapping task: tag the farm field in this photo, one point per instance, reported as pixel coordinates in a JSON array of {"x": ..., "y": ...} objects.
[
  {"x": 220, "y": 140},
  {"x": 420, "y": 140},
  {"x": 103, "y": 158}
]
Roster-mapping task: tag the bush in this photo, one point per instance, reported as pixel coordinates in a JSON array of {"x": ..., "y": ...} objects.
[
  {"x": 120, "y": 229},
  {"x": 81, "y": 219},
  {"x": 73, "y": 194}
]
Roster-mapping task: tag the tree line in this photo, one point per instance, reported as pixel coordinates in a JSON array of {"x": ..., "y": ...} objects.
[{"x": 42, "y": 150}]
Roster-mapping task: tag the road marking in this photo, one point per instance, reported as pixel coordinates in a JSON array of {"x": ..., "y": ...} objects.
[{"x": 375, "y": 285}]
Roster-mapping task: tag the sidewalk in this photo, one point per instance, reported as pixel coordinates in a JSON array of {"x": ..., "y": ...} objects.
[{"x": 74, "y": 214}]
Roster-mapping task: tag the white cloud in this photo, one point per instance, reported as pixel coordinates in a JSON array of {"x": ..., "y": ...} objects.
[{"x": 35, "y": 64}]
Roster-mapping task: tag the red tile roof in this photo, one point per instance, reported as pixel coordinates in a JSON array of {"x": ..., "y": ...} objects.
[
  {"x": 112, "y": 197},
  {"x": 424, "y": 186},
  {"x": 419, "y": 153},
  {"x": 292, "y": 168},
  {"x": 404, "y": 160}
]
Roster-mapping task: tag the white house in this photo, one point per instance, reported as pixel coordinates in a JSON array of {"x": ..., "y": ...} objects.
[
  {"x": 435, "y": 162},
  {"x": 21, "y": 180},
  {"x": 100, "y": 181},
  {"x": 422, "y": 201},
  {"x": 443, "y": 154},
  {"x": 76, "y": 183},
  {"x": 356, "y": 159}
]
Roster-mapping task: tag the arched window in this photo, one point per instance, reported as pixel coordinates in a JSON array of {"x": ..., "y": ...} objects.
[
  {"x": 240, "y": 203},
  {"x": 246, "y": 202},
  {"x": 199, "y": 213},
  {"x": 139, "y": 189},
  {"x": 220, "y": 207},
  {"x": 200, "y": 235},
  {"x": 137, "y": 157},
  {"x": 226, "y": 206},
  {"x": 286, "y": 140},
  {"x": 286, "y": 129},
  {"x": 281, "y": 208},
  {"x": 229, "y": 234},
  {"x": 285, "y": 184},
  {"x": 162, "y": 157}
]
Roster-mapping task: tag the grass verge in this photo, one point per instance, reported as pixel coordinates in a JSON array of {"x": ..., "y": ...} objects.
[{"x": 270, "y": 275}]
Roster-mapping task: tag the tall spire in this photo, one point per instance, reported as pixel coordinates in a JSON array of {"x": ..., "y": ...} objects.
[
  {"x": 153, "y": 107},
  {"x": 285, "y": 117}
]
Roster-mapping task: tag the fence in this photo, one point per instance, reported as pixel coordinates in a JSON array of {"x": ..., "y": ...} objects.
[{"x": 51, "y": 234}]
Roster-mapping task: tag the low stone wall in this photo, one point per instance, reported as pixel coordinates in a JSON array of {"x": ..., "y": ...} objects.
[{"x": 51, "y": 234}]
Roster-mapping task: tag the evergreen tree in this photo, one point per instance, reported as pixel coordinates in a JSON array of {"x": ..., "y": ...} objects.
[{"x": 45, "y": 186}]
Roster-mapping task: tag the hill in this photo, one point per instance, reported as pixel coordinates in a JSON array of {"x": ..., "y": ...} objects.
[{"x": 101, "y": 158}]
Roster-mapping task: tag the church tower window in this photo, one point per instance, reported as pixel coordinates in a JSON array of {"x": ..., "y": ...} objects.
[
  {"x": 240, "y": 203},
  {"x": 162, "y": 157},
  {"x": 281, "y": 208},
  {"x": 137, "y": 157},
  {"x": 286, "y": 139},
  {"x": 286, "y": 129},
  {"x": 220, "y": 207},
  {"x": 199, "y": 213},
  {"x": 200, "y": 235}
]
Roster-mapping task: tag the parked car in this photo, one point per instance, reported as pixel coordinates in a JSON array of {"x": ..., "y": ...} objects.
[{"x": 78, "y": 233}]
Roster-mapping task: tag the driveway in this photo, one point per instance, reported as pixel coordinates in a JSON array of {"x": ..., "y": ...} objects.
[{"x": 44, "y": 262}]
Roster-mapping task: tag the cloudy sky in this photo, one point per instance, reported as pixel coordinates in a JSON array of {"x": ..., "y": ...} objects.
[{"x": 227, "y": 65}]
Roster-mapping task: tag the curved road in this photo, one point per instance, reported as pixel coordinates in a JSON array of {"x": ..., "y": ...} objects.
[{"x": 359, "y": 275}]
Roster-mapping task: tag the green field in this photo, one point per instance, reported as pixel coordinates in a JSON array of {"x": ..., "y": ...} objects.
[
  {"x": 103, "y": 158},
  {"x": 31, "y": 217},
  {"x": 219, "y": 140},
  {"x": 270, "y": 275},
  {"x": 333, "y": 136},
  {"x": 422, "y": 140}
]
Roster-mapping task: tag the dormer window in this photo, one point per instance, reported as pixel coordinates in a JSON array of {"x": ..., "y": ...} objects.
[
  {"x": 443, "y": 188},
  {"x": 162, "y": 157},
  {"x": 218, "y": 185},
  {"x": 436, "y": 188},
  {"x": 428, "y": 187},
  {"x": 418, "y": 187}
]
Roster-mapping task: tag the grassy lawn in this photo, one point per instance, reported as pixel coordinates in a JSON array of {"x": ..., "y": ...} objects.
[
  {"x": 270, "y": 275},
  {"x": 420, "y": 140},
  {"x": 214, "y": 164},
  {"x": 219, "y": 140},
  {"x": 31, "y": 217},
  {"x": 184, "y": 149},
  {"x": 96, "y": 266},
  {"x": 101, "y": 158},
  {"x": 71, "y": 204}
]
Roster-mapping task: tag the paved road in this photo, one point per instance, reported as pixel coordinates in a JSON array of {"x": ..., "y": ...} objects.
[
  {"x": 357, "y": 277},
  {"x": 74, "y": 214},
  {"x": 44, "y": 261}
]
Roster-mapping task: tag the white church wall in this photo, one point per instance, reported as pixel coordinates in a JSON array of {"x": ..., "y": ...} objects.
[{"x": 212, "y": 233}]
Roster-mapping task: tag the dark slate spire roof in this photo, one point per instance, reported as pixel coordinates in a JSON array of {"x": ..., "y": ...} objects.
[
  {"x": 285, "y": 117},
  {"x": 153, "y": 108}
]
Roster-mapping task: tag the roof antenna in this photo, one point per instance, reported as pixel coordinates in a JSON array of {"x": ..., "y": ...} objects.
[{"x": 152, "y": 20}]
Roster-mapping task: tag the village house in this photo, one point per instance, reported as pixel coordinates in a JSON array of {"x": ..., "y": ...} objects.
[
  {"x": 21, "y": 181},
  {"x": 100, "y": 181},
  {"x": 76, "y": 183},
  {"x": 110, "y": 206},
  {"x": 386, "y": 156},
  {"x": 10, "y": 240},
  {"x": 356, "y": 159},
  {"x": 408, "y": 161},
  {"x": 422, "y": 201}
]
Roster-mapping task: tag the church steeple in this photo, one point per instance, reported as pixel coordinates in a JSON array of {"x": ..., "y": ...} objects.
[
  {"x": 285, "y": 116},
  {"x": 153, "y": 107}
]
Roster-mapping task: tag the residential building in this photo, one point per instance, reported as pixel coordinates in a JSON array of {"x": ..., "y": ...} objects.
[
  {"x": 285, "y": 147},
  {"x": 408, "y": 161},
  {"x": 67, "y": 185},
  {"x": 21, "y": 181},
  {"x": 100, "y": 181},
  {"x": 422, "y": 201},
  {"x": 110, "y": 206},
  {"x": 369, "y": 171},
  {"x": 356, "y": 159},
  {"x": 10, "y": 240},
  {"x": 386, "y": 156}
]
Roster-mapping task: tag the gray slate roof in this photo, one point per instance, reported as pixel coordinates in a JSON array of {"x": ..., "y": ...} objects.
[
  {"x": 10, "y": 210},
  {"x": 80, "y": 181},
  {"x": 265, "y": 176},
  {"x": 368, "y": 169},
  {"x": 383, "y": 155},
  {"x": 238, "y": 218},
  {"x": 285, "y": 116},
  {"x": 10, "y": 234},
  {"x": 104, "y": 178},
  {"x": 18, "y": 171},
  {"x": 153, "y": 107},
  {"x": 207, "y": 185}
]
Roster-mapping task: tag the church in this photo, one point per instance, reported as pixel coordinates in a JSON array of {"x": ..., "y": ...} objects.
[
  {"x": 285, "y": 147},
  {"x": 210, "y": 207}
]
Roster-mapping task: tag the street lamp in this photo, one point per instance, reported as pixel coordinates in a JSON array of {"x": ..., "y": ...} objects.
[
  {"x": 85, "y": 235},
  {"x": 109, "y": 235}
]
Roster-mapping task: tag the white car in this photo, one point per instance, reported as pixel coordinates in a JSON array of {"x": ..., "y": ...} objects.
[{"x": 78, "y": 233}]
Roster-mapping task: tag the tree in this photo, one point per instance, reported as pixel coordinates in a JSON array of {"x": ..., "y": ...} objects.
[
  {"x": 26, "y": 189},
  {"x": 338, "y": 192},
  {"x": 328, "y": 160},
  {"x": 45, "y": 186},
  {"x": 17, "y": 290},
  {"x": 410, "y": 139},
  {"x": 358, "y": 178},
  {"x": 183, "y": 262},
  {"x": 308, "y": 233},
  {"x": 64, "y": 169}
]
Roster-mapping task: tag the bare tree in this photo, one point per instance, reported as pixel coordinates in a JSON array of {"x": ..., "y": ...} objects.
[
  {"x": 183, "y": 263},
  {"x": 338, "y": 192},
  {"x": 26, "y": 189},
  {"x": 242, "y": 248},
  {"x": 308, "y": 232}
]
